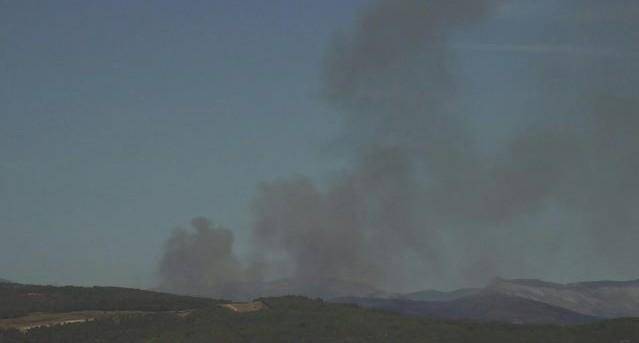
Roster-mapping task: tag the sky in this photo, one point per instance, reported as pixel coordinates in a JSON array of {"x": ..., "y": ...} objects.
[{"x": 122, "y": 120}]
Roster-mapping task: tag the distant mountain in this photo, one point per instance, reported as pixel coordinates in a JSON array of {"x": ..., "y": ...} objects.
[
  {"x": 324, "y": 288},
  {"x": 518, "y": 301},
  {"x": 607, "y": 299},
  {"x": 5, "y": 281},
  {"x": 434, "y": 295},
  {"x": 312, "y": 288},
  {"x": 484, "y": 307},
  {"x": 513, "y": 301}
]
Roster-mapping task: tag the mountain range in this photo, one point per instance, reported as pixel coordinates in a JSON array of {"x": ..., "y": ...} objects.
[
  {"x": 521, "y": 301},
  {"x": 31, "y": 313},
  {"x": 605, "y": 299},
  {"x": 435, "y": 295},
  {"x": 324, "y": 288},
  {"x": 516, "y": 301}
]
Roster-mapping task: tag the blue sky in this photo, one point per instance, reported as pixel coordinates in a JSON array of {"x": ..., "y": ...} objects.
[
  {"x": 123, "y": 119},
  {"x": 120, "y": 120}
]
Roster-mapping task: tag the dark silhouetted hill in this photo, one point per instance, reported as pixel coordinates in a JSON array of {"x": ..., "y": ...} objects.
[
  {"x": 17, "y": 300},
  {"x": 608, "y": 299},
  {"x": 434, "y": 295},
  {"x": 485, "y": 307}
]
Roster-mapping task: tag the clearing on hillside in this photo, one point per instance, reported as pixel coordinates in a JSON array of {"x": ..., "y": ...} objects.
[
  {"x": 246, "y": 307},
  {"x": 37, "y": 320}
]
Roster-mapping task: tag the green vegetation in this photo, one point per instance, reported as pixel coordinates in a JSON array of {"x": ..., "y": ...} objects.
[
  {"x": 19, "y": 300},
  {"x": 296, "y": 319}
]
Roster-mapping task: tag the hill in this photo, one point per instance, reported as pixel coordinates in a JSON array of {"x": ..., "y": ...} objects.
[
  {"x": 607, "y": 299},
  {"x": 518, "y": 301},
  {"x": 325, "y": 288},
  {"x": 296, "y": 319},
  {"x": 18, "y": 300},
  {"x": 486, "y": 307},
  {"x": 434, "y": 295},
  {"x": 316, "y": 288}
]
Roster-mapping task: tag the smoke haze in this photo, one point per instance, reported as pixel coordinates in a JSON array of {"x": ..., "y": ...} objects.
[{"x": 422, "y": 204}]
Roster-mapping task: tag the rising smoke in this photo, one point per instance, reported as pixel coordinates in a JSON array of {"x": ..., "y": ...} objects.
[
  {"x": 421, "y": 205},
  {"x": 203, "y": 261}
]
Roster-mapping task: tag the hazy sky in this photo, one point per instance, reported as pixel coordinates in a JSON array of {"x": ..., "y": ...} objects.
[{"x": 120, "y": 120}]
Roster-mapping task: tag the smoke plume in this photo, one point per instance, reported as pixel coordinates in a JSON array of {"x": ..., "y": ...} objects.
[
  {"x": 422, "y": 204},
  {"x": 203, "y": 262}
]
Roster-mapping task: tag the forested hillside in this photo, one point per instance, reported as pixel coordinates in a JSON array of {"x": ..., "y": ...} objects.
[
  {"x": 18, "y": 300},
  {"x": 296, "y": 319}
]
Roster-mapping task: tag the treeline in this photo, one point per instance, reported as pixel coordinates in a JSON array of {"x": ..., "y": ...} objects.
[
  {"x": 294, "y": 319},
  {"x": 18, "y": 300}
]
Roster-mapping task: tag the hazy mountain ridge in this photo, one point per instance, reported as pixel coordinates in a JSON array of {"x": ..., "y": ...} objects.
[
  {"x": 484, "y": 307},
  {"x": 607, "y": 299},
  {"x": 502, "y": 300},
  {"x": 517, "y": 301},
  {"x": 324, "y": 288},
  {"x": 319, "y": 288},
  {"x": 435, "y": 295}
]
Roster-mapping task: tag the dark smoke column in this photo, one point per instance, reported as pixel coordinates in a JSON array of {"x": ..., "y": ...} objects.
[
  {"x": 391, "y": 80},
  {"x": 202, "y": 262}
]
